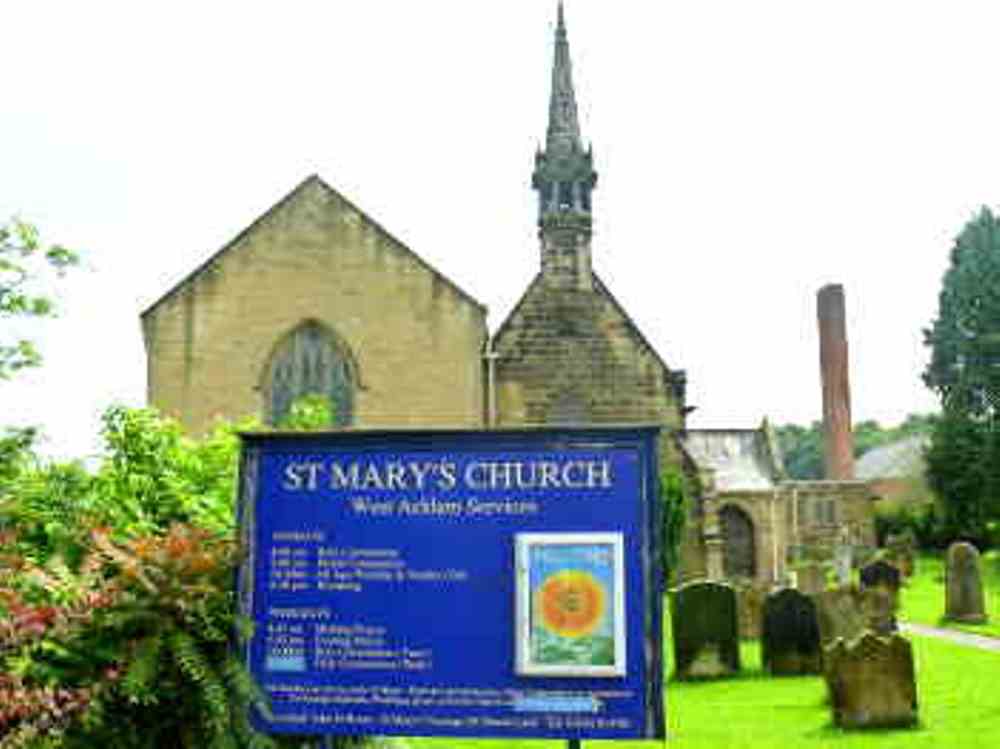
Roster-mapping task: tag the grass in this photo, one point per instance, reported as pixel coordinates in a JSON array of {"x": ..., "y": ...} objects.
[
  {"x": 922, "y": 599},
  {"x": 959, "y": 709}
]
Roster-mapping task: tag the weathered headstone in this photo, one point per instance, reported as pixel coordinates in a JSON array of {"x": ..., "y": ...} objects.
[
  {"x": 964, "y": 586},
  {"x": 839, "y": 614},
  {"x": 811, "y": 578},
  {"x": 750, "y": 605},
  {"x": 878, "y": 606},
  {"x": 880, "y": 574},
  {"x": 871, "y": 682},
  {"x": 880, "y": 589},
  {"x": 791, "y": 643},
  {"x": 706, "y": 631},
  {"x": 903, "y": 548},
  {"x": 843, "y": 556}
]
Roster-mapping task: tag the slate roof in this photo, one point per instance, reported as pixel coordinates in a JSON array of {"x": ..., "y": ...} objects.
[
  {"x": 897, "y": 460},
  {"x": 741, "y": 458}
]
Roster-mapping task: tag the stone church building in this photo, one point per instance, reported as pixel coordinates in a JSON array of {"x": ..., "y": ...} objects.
[{"x": 316, "y": 297}]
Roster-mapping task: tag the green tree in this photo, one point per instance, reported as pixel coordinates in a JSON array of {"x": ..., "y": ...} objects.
[
  {"x": 964, "y": 372},
  {"x": 957, "y": 472},
  {"x": 802, "y": 450},
  {"x": 964, "y": 338},
  {"x": 802, "y": 447},
  {"x": 26, "y": 264}
]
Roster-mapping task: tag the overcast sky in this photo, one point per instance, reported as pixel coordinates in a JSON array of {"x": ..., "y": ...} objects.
[{"x": 749, "y": 152}]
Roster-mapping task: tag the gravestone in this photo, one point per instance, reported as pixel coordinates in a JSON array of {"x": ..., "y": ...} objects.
[
  {"x": 750, "y": 604},
  {"x": 811, "y": 578},
  {"x": 964, "y": 584},
  {"x": 839, "y": 614},
  {"x": 843, "y": 557},
  {"x": 880, "y": 590},
  {"x": 903, "y": 548},
  {"x": 871, "y": 682},
  {"x": 878, "y": 607},
  {"x": 880, "y": 574},
  {"x": 706, "y": 631},
  {"x": 791, "y": 643}
]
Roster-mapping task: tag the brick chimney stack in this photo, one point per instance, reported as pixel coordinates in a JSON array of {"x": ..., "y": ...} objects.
[{"x": 838, "y": 440}]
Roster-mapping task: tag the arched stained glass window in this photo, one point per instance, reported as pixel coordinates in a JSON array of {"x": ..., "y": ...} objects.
[{"x": 309, "y": 361}]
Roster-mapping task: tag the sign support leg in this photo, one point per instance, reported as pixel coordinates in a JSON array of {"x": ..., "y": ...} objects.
[{"x": 573, "y": 744}]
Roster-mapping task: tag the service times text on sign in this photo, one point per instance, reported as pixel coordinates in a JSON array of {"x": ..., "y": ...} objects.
[{"x": 454, "y": 583}]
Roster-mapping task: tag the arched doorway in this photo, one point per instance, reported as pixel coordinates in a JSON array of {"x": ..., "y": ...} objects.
[
  {"x": 309, "y": 360},
  {"x": 739, "y": 558}
]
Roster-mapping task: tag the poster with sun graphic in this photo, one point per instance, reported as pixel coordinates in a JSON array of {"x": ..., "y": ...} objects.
[{"x": 571, "y": 604}]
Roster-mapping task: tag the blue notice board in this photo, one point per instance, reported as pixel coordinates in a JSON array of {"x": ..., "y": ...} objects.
[{"x": 454, "y": 583}]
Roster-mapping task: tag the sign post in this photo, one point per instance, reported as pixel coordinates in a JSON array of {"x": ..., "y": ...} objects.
[{"x": 455, "y": 583}]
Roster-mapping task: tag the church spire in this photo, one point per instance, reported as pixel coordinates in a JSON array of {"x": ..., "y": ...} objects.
[
  {"x": 564, "y": 124},
  {"x": 564, "y": 178}
]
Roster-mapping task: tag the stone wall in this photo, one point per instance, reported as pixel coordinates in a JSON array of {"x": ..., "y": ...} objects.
[
  {"x": 768, "y": 512},
  {"x": 414, "y": 339},
  {"x": 571, "y": 356},
  {"x": 824, "y": 511}
]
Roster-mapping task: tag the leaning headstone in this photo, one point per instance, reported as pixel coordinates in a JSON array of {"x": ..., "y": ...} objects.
[
  {"x": 811, "y": 578},
  {"x": 706, "y": 632},
  {"x": 750, "y": 611},
  {"x": 964, "y": 586},
  {"x": 839, "y": 614},
  {"x": 871, "y": 682},
  {"x": 790, "y": 643}
]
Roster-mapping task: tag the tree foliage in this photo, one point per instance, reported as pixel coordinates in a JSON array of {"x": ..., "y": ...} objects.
[
  {"x": 25, "y": 265},
  {"x": 964, "y": 372},
  {"x": 959, "y": 474},
  {"x": 802, "y": 447},
  {"x": 676, "y": 493},
  {"x": 964, "y": 338},
  {"x": 117, "y": 606},
  {"x": 801, "y": 450}
]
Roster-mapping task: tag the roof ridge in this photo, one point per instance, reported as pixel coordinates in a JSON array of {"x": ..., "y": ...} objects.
[{"x": 242, "y": 234}]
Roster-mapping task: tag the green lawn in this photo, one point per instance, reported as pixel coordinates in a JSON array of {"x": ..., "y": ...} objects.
[
  {"x": 959, "y": 709},
  {"x": 922, "y": 598}
]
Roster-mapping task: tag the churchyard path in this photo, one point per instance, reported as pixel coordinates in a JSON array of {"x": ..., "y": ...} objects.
[{"x": 961, "y": 638}]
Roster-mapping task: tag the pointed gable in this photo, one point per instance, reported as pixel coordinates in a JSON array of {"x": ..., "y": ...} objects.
[
  {"x": 316, "y": 283},
  {"x": 311, "y": 183},
  {"x": 570, "y": 355}
]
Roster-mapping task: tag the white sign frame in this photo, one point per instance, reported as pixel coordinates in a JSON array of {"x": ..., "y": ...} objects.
[{"x": 525, "y": 664}]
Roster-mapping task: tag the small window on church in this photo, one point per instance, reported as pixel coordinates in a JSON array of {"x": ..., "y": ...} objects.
[
  {"x": 585, "y": 198},
  {"x": 831, "y": 511},
  {"x": 309, "y": 361}
]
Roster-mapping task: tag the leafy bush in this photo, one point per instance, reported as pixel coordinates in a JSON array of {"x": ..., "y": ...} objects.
[
  {"x": 676, "y": 492},
  {"x": 131, "y": 649},
  {"x": 925, "y": 522},
  {"x": 117, "y": 606}
]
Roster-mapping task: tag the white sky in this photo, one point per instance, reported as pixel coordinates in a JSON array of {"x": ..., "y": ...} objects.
[{"x": 749, "y": 152}]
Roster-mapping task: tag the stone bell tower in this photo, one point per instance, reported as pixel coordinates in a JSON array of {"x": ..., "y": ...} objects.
[{"x": 564, "y": 178}]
